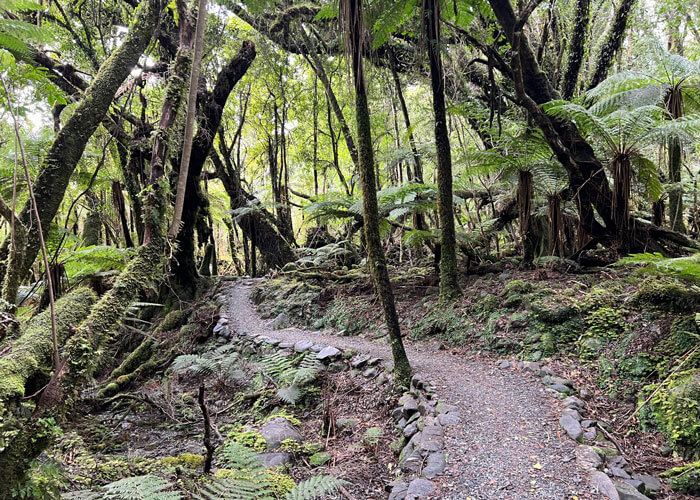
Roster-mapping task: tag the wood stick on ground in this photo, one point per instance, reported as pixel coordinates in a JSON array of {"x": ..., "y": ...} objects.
[{"x": 207, "y": 431}]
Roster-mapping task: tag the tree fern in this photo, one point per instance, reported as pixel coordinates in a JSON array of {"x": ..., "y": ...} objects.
[
  {"x": 315, "y": 487},
  {"x": 14, "y": 33},
  {"x": 221, "y": 362},
  {"x": 291, "y": 379}
]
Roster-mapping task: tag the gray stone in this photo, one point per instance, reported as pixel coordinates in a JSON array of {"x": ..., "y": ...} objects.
[
  {"x": 359, "y": 360},
  {"x": 588, "y": 423},
  {"x": 303, "y": 345},
  {"x": 636, "y": 484},
  {"x": 398, "y": 490},
  {"x": 587, "y": 457},
  {"x": 574, "y": 403},
  {"x": 619, "y": 472},
  {"x": 369, "y": 372},
  {"x": 410, "y": 430},
  {"x": 445, "y": 408},
  {"x": 281, "y": 321},
  {"x": 316, "y": 348},
  {"x": 285, "y": 345},
  {"x": 573, "y": 413},
  {"x": 447, "y": 419},
  {"x": 554, "y": 380},
  {"x": 409, "y": 403},
  {"x": 572, "y": 427},
  {"x": 652, "y": 486},
  {"x": 561, "y": 388},
  {"x": 626, "y": 491},
  {"x": 277, "y": 430},
  {"x": 590, "y": 434},
  {"x": 431, "y": 438},
  {"x": 419, "y": 488},
  {"x": 328, "y": 353},
  {"x": 275, "y": 459},
  {"x": 616, "y": 461},
  {"x": 531, "y": 366},
  {"x": 272, "y": 341},
  {"x": 601, "y": 483},
  {"x": 504, "y": 364},
  {"x": 435, "y": 465}
]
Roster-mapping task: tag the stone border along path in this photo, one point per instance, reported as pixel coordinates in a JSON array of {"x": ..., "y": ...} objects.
[
  {"x": 497, "y": 439},
  {"x": 608, "y": 471}
]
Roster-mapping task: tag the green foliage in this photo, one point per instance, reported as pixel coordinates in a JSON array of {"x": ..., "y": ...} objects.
[
  {"x": 666, "y": 295},
  {"x": 15, "y": 33},
  {"x": 291, "y": 378},
  {"x": 605, "y": 322},
  {"x": 687, "y": 268},
  {"x": 94, "y": 260},
  {"x": 221, "y": 362},
  {"x": 444, "y": 322},
  {"x": 676, "y": 409},
  {"x": 131, "y": 488},
  {"x": 685, "y": 479}
]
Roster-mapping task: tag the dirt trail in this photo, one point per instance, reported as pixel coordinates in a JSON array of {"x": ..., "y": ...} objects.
[{"x": 507, "y": 446}]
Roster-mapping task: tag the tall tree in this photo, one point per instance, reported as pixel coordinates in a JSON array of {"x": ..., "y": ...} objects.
[
  {"x": 352, "y": 26},
  {"x": 449, "y": 286},
  {"x": 576, "y": 49}
]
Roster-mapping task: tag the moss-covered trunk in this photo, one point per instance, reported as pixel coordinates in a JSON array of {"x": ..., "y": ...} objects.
[
  {"x": 449, "y": 286},
  {"x": 377, "y": 261},
  {"x": 67, "y": 149}
]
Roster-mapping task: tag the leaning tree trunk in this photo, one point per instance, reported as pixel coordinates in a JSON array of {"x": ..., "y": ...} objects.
[
  {"x": 354, "y": 29},
  {"x": 557, "y": 234},
  {"x": 67, "y": 149},
  {"x": 449, "y": 286},
  {"x": 92, "y": 226}
]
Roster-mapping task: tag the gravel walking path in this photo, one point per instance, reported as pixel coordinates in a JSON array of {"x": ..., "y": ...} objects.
[{"x": 508, "y": 445}]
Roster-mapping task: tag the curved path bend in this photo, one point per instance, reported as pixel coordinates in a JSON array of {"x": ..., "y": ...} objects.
[{"x": 507, "y": 446}]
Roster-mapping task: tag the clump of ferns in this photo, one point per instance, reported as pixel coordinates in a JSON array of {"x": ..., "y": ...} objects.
[
  {"x": 292, "y": 376},
  {"x": 222, "y": 366},
  {"x": 243, "y": 477}
]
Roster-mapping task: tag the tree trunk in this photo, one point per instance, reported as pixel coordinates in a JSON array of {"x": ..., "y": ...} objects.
[
  {"x": 612, "y": 43},
  {"x": 576, "y": 49},
  {"x": 354, "y": 29},
  {"x": 525, "y": 216},
  {"x": 120, "y": 206},
  {"x": 449, "y": 286},
  {"x": 93, "y": 222},
  {"x": 622, "y": 184},
  {"x": 674, "y": 105}
]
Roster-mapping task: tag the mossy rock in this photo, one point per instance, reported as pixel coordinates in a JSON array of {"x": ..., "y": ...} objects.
[
  {"x": 189, "y": 460},
  {"x": 599, "y": 297},
  {"x": 676, "y": 410},
  {"x": 553, "y": 310},
  {"x": 488, "y": 304},
  {"x": 513, "y": 301},
  {"x": 684, "y": 479},
  {"x": 606, "y": 322},
  {"x": 590, "y": 347},
  {"x": 666, "y": 295},
  {"x": 636, "y": 368},
  {"x": 171, "y": 321},
  {"x": 684, "y": 335},
  {"x": 517, "y": 287},
  {"x": 320, "y": 458}
]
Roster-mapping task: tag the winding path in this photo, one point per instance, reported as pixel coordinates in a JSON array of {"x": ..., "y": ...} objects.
[{"x": 507, "y": 446}]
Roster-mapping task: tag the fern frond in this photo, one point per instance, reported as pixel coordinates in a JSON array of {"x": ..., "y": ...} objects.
[
  {"x": 315, "y": 487},
  {"x": 141, "y": 488}
]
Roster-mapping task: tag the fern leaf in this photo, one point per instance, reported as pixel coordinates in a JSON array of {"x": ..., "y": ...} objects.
[{"x": 315, "y": 487}]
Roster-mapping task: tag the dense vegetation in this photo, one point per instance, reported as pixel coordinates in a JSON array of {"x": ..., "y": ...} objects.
[{"x": 516, "y": 179}]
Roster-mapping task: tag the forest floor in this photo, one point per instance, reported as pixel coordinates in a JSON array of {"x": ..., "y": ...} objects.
[{"x": 507, "y": 445}]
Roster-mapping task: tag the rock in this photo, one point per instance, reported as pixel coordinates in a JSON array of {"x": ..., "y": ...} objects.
[
  {"x": 281, "y": 321},
  {"x": 275, "y": 459},
  {"x": 318, "y": 459},
  {"x": 587, "y": 457},
  {"x": 409, "y": 403},
  {"x": 588, "y": 423},
  {"x": 285, "y": 345},
  {"x": 590, "y": 434},
  {"x": 398, "y": 490},
  {"x": 626, "y": 491},
  {"x": 277, "y": 430},
  {"x": 561, "y": 388},
  {"x": 359, "y": 360},
  {"x": 574, "y": 403},
  {"x": 345, "y": 423},
  {"x": 328, "y": 353},
  {"x": 435, "y": 465},
  {"x": 619, "y": 472},
  {"x": 445, "y": 408},
  {"x": 652, "y": 486},
  {"x": 410, "y": 430},
  {"x": 431, "y": 438},
  {"x": 419, "y": 488},
  {"x": 316, "y": 348},
  {"x": 573, "y": 413},
  {"x": 601, "y": 483},
  {"x": 447, "y": 419},
  {"x": 636, "y": 484},
  {"x": 504, "y": 364},
  {"x": 554, "y": 380},
  {"x": 369, "y": 372},
  {"x": 572, "y": 427},
  {"x": 531, "y": 366},
  {"x": 303, "y": 345},
  {"x": 617, "y": 461}
]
